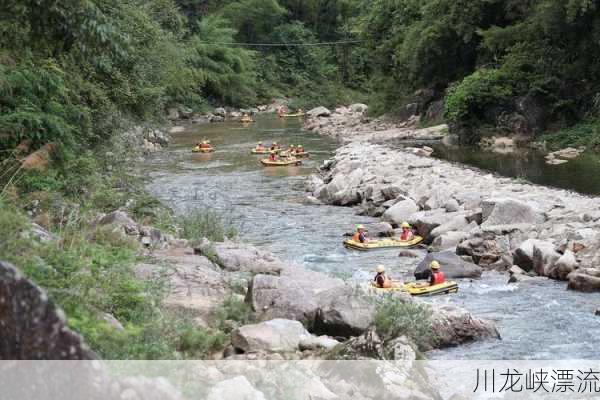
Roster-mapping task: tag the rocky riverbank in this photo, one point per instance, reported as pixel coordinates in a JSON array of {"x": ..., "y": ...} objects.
[
  {"x": 494, "y": 222},
  {"x": 352, "y": 123}
]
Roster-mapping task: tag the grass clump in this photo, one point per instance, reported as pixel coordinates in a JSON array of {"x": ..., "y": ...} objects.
[
  {"x": 205, "y": 223},
  {"x": 583, "y": 134},
  {"x": 395, "y": 318}
]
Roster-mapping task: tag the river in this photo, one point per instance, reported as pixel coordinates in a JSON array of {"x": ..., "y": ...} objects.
[{"x": 539, "y": 320}]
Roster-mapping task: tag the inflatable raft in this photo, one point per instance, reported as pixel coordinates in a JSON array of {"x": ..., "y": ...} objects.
[
  {"x": 382, "y": 244},
  {"x": 420, "y": 288},
  {"x": 280, "y": 163},
  {"x": 202, "y": 150},
  {"x": 246, "y": 120}
]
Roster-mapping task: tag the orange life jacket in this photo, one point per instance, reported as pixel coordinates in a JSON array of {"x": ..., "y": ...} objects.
[
  {"x": 437, "y": 278},
  {"x": 205, "y": 146}
]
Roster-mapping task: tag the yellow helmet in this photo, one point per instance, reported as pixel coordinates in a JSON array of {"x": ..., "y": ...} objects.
[
  {"x": 274, "y": 142},
  {"x": 259, "y": 142},
  {"x": 205, "y": 142},
  {"x": 380, "y": 268},
  {"x": 360, "y": 226},
  {"x": 405, "y": 225},
  {"x": 434, "y": 265}
]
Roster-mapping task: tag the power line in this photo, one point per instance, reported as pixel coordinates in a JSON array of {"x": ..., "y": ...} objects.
[{"x": 282, "y": 44}]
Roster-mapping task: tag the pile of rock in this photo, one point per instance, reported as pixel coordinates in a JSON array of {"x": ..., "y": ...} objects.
[
  {"x": 564, "y": 155},
  {"x": 495, "y": 222}
]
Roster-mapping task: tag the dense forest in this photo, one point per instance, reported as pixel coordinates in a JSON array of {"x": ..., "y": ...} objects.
[{"x": 70, "y": 71}]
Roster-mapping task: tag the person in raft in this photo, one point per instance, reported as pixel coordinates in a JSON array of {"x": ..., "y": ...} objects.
[
  {"x": 360, "y": 235},
  {"x": 407, "y": 233},
  {"x": 382, "y": 281},
  {"x": 260, "y": 147},
  {"x": 299, "y": 149},
  {"x": 437, "y": 277},
  {"x": 205, "y": 144},
  {"x": 273, "y": 155},
  {"x": 274, "y": 146},
  {"x": 291, "y": 149}
]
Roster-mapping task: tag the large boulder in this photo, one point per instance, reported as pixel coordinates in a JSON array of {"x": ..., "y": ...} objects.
[
  {"x": 458, "y": 223},
  {"x": 453, "y": 326},
  {"x": 544, "y": 259},
  {"x": 359, "y": 108},
  {"x": 345, "y": 313},
  {"x": 276, "y": 335},
  {"x": 319, "y": 112},
  {"x": 296, "y": 293},
  {"x": 233, "y": 256},
  {"x": 565, "y": 264},
  {"x": 119, "y": 219},
  {"x": 448, "y": 240},
  {"x": 401, "y": 211},
  {"x": 584, "y": 280},
  {"x": 380, "y": 229},
  {"x": 220, "y": 112},
  {"x": 427, "y": 221},
  {"x": 487, "y": 250},
  {"x": 509, "y": 214},
  {"x": 452, "y": 265},
  {"x": 523, "y": 255},
  {"x": 31, "y": 326}
]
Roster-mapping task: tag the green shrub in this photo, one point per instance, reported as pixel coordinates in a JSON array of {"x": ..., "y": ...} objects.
[
  {"x": 198, "y": 343},
  {"x": 205, "y": 223},
  {"x": 583, "y": 134},
  {"x": 234, "y": 309},
  {"x": 395, "y": 317},
  {"x": 468, "y": 99}
]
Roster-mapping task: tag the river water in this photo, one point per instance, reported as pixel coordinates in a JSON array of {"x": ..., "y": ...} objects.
[{"x": 540, "y": 320}]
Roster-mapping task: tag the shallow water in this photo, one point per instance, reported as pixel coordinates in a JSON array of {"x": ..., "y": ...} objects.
[
  {"x": 581, "y": 174},
  {"x": 537, "y": 321}
]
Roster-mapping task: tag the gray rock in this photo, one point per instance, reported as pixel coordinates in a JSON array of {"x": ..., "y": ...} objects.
[
  {"x": 317, "y": 342},
  {"x": 458, "y": 223},
  {"x": 295, "y": 294},
  {"x": 448, "y": 240},
  {"x": 453, "y": 326},
  {"x": 311, "y": 201},
  {"x": 345, "y": 313},
  {"x": 216, "y": 118},
  {"x": 452, "y": 265},
  {"x": 380, "y": 229},
  {"x": 451, "y": 205},
  {"x": 233, "y": 257},
  {"x": 391, "y": 192},
  {"x": 119, "y": 219},
  {"x": 560, "y": 269},
  {"x": 508, "y": 212},
  {"x": 235, "y": 389},
  {"x": 400, "y": 212},
  {"x": 583, "y": 282},
  {"x": 523, "y": 255},
  {"x": 427, "y": 221},
  {"x": 359, "y": 108},
  {"x": 319, "y": 112},
  {"x": 31, "y": 326},
  {"x": 220, "y": 112},
  {"x": 276, "y": 335}
]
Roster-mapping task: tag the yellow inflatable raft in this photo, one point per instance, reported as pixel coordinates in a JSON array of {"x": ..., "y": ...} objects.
[
  {"x": 202, "y": 150},
  {"x": 420, "y": 288},
  {"x": 382, "y": 244},
  {"x": 246, "y": 120},
  {"x": 280, "y": 163}
]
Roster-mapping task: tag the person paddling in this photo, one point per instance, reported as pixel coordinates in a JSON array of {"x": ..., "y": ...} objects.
[
  {"x": 360, "y": 235},
  {"x": 407, "y": 233},
  {"x": 205, "y": 144},
  {"x": 437, "y": 277},
  {"x": 273, "y": 156},
  {"x": 274, "y": 146},
  {"x": 300, "y": 149},
  {"x": 381, "y": 280}
]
